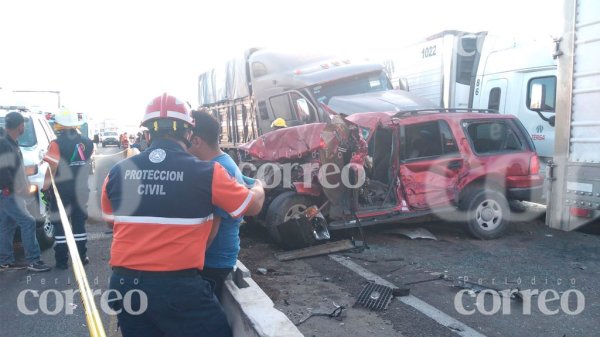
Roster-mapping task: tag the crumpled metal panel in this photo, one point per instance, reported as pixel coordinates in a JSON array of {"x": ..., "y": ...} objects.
[{"x": 289, "y": 144}]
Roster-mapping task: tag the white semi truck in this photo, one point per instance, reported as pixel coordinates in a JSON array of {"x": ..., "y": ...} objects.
[
  {"x": 575, "y": 173},
  {"x": 248, "y": 93},
  {"x": 457, "y": 69}
]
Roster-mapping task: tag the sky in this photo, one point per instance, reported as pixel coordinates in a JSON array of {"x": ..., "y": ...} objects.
[{"x": 110, "y": 58}]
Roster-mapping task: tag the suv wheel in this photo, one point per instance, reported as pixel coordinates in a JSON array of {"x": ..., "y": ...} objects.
[
  {"x": 45, "y": 233},
  {"x": 283, "y": 208},
  {"x": 487, "y": 213}
]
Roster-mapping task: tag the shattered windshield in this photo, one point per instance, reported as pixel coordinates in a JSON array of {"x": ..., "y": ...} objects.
[{"x": 358, "y": 84}]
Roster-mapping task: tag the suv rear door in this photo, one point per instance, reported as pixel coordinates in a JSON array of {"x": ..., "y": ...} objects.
[{"x": 431, "y": 165}]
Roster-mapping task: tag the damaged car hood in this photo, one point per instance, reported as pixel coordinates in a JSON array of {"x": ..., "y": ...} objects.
[{"x": 286, "y": 144}]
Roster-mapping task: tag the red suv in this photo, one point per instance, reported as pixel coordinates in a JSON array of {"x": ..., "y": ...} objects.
[{"x": 374, "y": 168}]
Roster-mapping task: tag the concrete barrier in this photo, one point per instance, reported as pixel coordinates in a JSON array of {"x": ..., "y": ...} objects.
[{"x": 250, "y": 312}]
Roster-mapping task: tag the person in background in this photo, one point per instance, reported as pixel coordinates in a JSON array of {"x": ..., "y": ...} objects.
[
  {"x": 14, "y": 186},
  {"x": 69, "y": 157},
  {"x": 161, "y": 204},
  {"x": 221, "y": 255}
]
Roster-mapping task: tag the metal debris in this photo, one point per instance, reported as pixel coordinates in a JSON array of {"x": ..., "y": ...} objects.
[
  {"x": 413, "y": 233},
  {"x": 322, "y": 249},
  {"x": 336, "y": 314},
  {"x": 262, "y": 271},
  {"x": 440, "y": 277},
  {"x": 375, "y": 296}
]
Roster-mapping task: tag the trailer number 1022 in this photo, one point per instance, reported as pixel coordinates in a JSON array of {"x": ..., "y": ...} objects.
[{"x": 428, "y": 51}]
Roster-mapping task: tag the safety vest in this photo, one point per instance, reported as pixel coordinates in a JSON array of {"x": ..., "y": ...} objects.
[
  {"x": 72, "y": 153},
  {"x": 161, "y": 205}
]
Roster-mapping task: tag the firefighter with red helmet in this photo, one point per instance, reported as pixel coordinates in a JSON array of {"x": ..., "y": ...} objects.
[{"x": 160, "y": 204}]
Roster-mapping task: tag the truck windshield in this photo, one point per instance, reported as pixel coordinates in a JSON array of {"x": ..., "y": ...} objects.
[
  {"x": 358, "y": 84},
  {"x": 27, "y": 139}
]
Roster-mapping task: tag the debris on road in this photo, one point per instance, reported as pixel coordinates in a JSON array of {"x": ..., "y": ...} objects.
[
  {"x": 474, "y": 288},
  {"x": 375, "y": 296},
  {"x": 336, "y": 314},
  {"x": 262, "y": 271},
  {"x": 326, "y": 248},
  {"x": 401, "y": 292},
  {"x": 413, "y": 233},
  {"x": 443, "y": 277}
]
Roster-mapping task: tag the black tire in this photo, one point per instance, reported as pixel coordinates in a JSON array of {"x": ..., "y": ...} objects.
[
  {"x": 283, "y": 208},
  {"x": 45, "y": 233},
  {"x": 517, "y": 206},
  {"x": 487, "y": 213}
]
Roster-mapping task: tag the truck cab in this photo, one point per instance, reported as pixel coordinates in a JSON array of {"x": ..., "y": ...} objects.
[
  {"x": 248, "y": 93},
  {"x": 294, "y": 88},
  {"x": 504, "y": 83}
]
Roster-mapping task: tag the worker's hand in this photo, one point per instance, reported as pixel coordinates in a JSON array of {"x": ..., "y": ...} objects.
[{"x": 258, "y": 199}]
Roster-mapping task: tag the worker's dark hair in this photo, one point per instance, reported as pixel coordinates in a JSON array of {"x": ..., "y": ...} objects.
[
  {"x": 206, "y": 127},
  {"x": 12, "y": 120}
]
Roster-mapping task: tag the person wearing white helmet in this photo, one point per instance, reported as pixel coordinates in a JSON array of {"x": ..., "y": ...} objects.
[{"x": 69, "y": 159}]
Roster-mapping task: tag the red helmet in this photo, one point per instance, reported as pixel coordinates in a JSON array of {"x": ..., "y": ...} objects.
[{"x": 166, "y": 107}]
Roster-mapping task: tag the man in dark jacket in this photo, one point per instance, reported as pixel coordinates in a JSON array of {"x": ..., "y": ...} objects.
[{"x": 14, "y": 185}]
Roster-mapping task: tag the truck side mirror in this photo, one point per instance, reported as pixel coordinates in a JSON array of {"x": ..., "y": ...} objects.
[
  {"x": 536, "y": 103},
  {"x": 403, "y": 84},
  {"x": 538, "y": 97}
]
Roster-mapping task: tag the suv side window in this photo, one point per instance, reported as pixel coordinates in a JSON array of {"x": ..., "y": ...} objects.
[
  {"x": 429, "y": 139},
  {"x": 492, "y": 136}
]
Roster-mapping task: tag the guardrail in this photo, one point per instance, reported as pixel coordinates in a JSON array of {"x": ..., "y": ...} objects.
[{"x": 250, "y": 312}]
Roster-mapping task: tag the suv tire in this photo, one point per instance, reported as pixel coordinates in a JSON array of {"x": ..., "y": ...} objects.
[
  {"x": 487, "y": 213},
  {"x": 45, "y": 232},
  {"x": 283, "y": 208}
]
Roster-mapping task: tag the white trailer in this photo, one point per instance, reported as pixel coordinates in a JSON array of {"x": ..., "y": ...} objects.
[
  {"x": 575, "y": 175},
  {"x": 458, "y": 69},
  {"x": 439, "y": 68}
]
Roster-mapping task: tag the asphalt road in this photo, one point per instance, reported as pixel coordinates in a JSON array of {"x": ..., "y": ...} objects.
[
  {"x": 529, "y": 251},
  {"x": 61, "y": 321},
  {"x": 529, "y": 257}
]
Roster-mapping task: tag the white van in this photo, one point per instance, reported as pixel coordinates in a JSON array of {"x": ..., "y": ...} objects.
[{"x": 34, "y": 143}]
